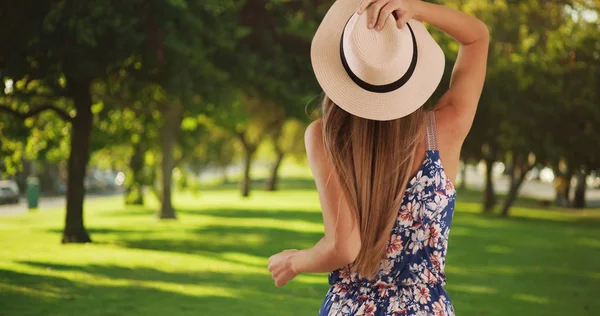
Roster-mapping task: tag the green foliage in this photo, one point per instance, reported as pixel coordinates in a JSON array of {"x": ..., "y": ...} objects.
[
  {"x": 207, "y": 146},
  {"x": 13, "y": 136},
  {"x": 537, "y": 76},
  {"x": 241, "y": 70}
]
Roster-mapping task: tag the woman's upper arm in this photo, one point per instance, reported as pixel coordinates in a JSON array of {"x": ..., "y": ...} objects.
[
  {"x": 458, "y": 106},
  {"x": 341, "y": 228}
]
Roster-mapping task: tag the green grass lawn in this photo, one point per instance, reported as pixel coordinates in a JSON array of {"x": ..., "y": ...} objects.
[{"x": 212, "y": 261}]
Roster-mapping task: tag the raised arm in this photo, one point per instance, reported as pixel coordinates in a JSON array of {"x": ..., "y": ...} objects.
[{"x": 459, "y": 104}]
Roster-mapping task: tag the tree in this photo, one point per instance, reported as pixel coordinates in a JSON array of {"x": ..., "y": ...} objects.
[
  {"x": 184, "y": 69},
  {"x": 248, "y": 120},
  {"x": 274, "y": 79},
  {"x": 56, "y": 57},
  {"x": 578, "y": 101},
  {"x": 512, "y": 120}
]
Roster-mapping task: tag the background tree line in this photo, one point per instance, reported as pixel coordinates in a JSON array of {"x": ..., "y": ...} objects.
[{"x": 148, "y": 86}]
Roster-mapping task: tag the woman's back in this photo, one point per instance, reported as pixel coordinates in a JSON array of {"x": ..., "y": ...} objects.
[{"x": 411, "y": 277}]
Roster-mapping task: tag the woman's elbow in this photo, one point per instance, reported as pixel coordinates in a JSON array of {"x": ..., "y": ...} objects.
[
  {"x": 346, "y": 251},
  {"x": 484, "y": 32},
  {"x": 480, "y": 34},
  {"x": 349, "y": 256}
]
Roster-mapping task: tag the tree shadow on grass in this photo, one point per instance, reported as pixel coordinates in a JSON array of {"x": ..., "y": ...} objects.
[
  {"x": 578, "y": 222},
  {"x": 32, "y": 294},
  {"x": 247, "y": 281},
  {"x": 495, "y": 260},
  {"x": 313, "y": 217},
  {"x": 94, "y": 231},
  {"x": 218, "y": 239},
  {"x": 532, "y": 261},
  {"x": 525, "y": 235},
  {"x": 249, "y": 294},
  {"x": 239, "y": 212},
  {"x": 529, "y": 260},
  {"x": 255, "y": 241}
]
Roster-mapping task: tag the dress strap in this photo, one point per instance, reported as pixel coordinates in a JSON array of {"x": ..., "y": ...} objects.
[{"x": 431, "y": 132}]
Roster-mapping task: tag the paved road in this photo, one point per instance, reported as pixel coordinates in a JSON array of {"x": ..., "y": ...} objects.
[
  {"x": 534, "y": 189},
  {"x": 46, "y": 203}
]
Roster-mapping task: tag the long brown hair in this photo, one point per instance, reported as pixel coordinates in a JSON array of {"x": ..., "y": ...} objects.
[{"x": 373, "y": 160}]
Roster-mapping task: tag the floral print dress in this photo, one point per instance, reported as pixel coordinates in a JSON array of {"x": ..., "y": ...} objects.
[{"x": 410, "y": 279}]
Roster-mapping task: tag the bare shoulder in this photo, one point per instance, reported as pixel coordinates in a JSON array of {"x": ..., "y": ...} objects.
[
  {"x": 315, "y": 147},
  {"x": 313, "y": 137}
]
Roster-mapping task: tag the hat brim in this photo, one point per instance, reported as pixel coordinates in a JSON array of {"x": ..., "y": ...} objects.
[{"x": 341, "y": 89}]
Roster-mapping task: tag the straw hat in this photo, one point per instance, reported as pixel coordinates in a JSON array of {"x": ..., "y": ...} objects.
[{"x": 378, "y": 75}]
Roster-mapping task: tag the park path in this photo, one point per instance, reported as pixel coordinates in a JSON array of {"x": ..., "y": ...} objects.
[
  {"x": 475, "y": 180},
  {"x": 534, "y": 189},
  {"x": 45, "y": 204}
]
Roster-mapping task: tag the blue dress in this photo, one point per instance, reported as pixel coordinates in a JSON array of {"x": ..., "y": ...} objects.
[{"x": 411, "y": 278}]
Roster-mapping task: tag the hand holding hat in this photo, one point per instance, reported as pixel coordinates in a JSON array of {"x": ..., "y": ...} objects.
[
  {"x": 379, "y": 10},
  {"x": 379, "y": 75}
]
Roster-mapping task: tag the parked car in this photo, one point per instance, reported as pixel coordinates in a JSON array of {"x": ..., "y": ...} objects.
[{"x": 9, "y": 192}]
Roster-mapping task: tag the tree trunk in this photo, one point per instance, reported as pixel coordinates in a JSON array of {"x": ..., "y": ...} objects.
[
  {"x": 517, "y": 178},
  {"x": 272, "y": 183},
  {"x": 567, "y": 190},
  {"x": 245, "y": 184},
  {"x": 172, "y": 116},
  {"x": 79, "y": 156},
  {"x": 580, "y": 187},
  {"x": 249, "y": 150},
  {"x": 489, "y": 195},
  {"x": 134, "y": 193},
  {"x": 463, "y": 176}
]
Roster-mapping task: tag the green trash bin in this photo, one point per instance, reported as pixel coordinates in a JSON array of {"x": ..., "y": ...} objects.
[{"x": 33, "y": 192}]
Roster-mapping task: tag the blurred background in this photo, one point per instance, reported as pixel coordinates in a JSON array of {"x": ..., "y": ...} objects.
[{"x": 170, "y": 133}]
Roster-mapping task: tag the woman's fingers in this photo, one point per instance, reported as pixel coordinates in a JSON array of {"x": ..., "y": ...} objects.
[
  {"x": 280, "y": 267},
  {"x": 364, "y": 4},
  {"x": 384, "y": 14},
  {"x": 402, "y": 19},
  {"x": 399, "y": 18},
  {"x": 271, "y": 258},
  {"x": 373, "y": 12},
  {"x": 371, "y": 15},
  {"x": 282, "y": 279}
]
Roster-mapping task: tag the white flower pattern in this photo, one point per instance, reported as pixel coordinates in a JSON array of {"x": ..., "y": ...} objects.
[{"x": 411, "y": 277}]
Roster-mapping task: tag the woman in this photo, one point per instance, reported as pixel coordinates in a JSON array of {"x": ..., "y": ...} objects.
[{"x": 384, "y": 166}]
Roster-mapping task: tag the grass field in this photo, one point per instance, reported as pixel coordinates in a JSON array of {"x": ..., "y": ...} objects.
[{"x": 212, "y": 261}]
